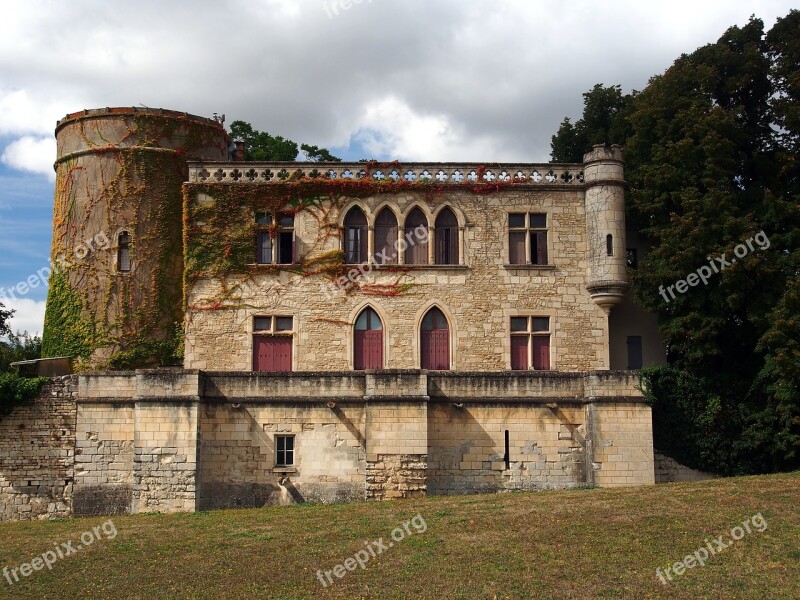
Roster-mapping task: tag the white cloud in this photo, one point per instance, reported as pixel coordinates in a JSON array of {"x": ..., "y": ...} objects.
[
  {"x": 34, "y": 154},
  {"x": 29, "y": 315},
  {"x": 448, "y": 80}
]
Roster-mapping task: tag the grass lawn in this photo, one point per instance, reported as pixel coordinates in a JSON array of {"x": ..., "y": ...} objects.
[{"x": 587, "y": 543}]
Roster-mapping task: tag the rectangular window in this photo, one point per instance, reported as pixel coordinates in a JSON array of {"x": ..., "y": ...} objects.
[
  {"x": 264, "y": 248},
  {"x": 527, "y": 238},
  {"x": 530, "y": 343},
  {"x": 272, "y": 344},
  {"x": 353, "y": 244},
  {"x": 634, "y": 352},
  {"x": 275, "y": 241},
  {"x": 284, "y": 450}
]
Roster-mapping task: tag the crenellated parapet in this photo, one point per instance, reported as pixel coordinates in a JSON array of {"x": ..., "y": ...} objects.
[{"x": 540, "y": 175}]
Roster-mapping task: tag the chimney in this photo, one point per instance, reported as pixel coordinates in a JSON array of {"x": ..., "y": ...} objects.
[{"x": 238, "y": 154}]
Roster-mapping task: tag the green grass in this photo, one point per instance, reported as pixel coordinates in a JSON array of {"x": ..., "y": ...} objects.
[{"x": 590, "y": 543}]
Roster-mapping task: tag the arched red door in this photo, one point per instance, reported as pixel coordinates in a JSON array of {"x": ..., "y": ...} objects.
[
  {"x": 435, "y": 341},
  {"x": 368, "y": 341}
]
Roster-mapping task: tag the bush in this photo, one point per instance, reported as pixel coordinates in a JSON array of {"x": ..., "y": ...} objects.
[{"x": 15, "y": 390}]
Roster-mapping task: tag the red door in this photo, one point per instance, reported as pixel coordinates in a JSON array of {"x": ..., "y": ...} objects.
[
  {"x": 436, "y": 350},
  {"x": 435, "y": 341},
  {"x": 368, "y": 350},
  {"x": 519, "y": 352},
  {"x": 541, "y": 352},
  {"x": 272, "y": 353},
  {"x": 368, "y": 341}
]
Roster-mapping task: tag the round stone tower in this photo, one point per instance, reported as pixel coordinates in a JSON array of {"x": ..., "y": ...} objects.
[
  {"x": 607, "y": 278},
  {"x": 115, "y": 298}
]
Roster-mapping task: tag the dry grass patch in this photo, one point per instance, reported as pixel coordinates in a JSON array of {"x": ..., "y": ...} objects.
[{"x": 590, "y": 543}]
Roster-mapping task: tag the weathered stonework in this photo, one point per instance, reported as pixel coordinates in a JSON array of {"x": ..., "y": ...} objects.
[
  {"x": 183, "y": 440},
  {"x": 215, "y": 433},
  {"x": 669, "y": 470},
  {"x": 37, "y": 453}
]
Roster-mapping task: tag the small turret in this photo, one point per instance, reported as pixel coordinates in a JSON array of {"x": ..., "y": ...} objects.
[{"x": 603, "y": 174}]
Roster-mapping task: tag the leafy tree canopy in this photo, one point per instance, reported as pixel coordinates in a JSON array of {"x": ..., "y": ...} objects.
[
  {"x": 260, "y": 145},
  {"x": 19, "y": 346},
  {"x": 711, "y": 161},
  {"x": 604, "y": 120},
  {"x": 5, "y": 315}
]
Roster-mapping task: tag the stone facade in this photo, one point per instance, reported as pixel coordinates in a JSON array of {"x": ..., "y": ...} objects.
[
  {"x": 464, "y": 349},
  {"x": 37, "y": 453},
  {"x": 182, "y": 440},
  {"x": 575, "y": 288}
]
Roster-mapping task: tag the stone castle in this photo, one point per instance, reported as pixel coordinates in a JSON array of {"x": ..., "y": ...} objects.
[{"x": 270, "y": 333}]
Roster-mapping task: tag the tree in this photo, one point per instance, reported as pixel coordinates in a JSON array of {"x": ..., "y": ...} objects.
[
  {"x": 260, "y": 145},
  {"x": 711, "y": 161},
  {"x": 5, "y": 315},
  {"x": 315, "y": 154},
  {"x": 19, "y": 346},
  {"x": 604, "y": 121},
  {"x": 703, "y": 168}
]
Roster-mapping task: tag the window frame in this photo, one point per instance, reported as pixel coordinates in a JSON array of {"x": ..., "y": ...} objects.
[
  {"x": 362, "y": 244},
  {"x": 632, "y": 342},
  {"x": 414, "y": 247},
  {"x": 436, "y": 315},
  {"x": 273, "y": 231},
  {"x": 536, "y": 238},
  {"x": 371, "y": 318},
  {"x": 273, "y": 330},
  {"x": 444, "y": 249},
  {"x": 385, "y": 247},
  {"x": 126, "y": 249},
  {"x": 286, "y": 452},
  {"x": 529, "y": 334}
]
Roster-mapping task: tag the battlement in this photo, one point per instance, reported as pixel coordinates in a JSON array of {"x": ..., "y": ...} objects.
[{"x": 434, "y": 173}]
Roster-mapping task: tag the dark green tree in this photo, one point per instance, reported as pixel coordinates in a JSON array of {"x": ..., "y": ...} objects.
[
  {"x": 711, "y": 161},
  {"x": 19, "y": 346},
  {"x": 5, "y": 315},
  {"x": 703, "y": 168},
  {"x": 604, "y": 121},
  {"x": 260, "y": 145},
  {"x": 316, "y": 154}
]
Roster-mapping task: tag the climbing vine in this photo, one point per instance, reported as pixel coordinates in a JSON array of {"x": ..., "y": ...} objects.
[
  {"x": 128, "y": 179},
  {"x": 220, "y": 229}
]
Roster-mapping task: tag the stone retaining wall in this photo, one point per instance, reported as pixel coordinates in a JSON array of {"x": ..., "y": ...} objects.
[{"x": 183, "y": 440}]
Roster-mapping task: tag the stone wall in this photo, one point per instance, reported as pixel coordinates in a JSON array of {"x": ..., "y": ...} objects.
[
  {"x": 467, "y": 447},
  {"x": 237, "y": 454},
  {"x": 103, "y": 459},
  {"x": 478, "y": 297},
  {"x": 622, "y": 443},
  {"x": 668, "y": 470},
  {"x": 37, "y": 445},
  {"x": 182, "y": 440}
]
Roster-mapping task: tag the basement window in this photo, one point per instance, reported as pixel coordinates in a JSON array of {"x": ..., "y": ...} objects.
[{"x": 284, "y": 450}]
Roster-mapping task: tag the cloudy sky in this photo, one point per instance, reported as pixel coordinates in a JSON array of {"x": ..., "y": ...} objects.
[{"x": 472, "y": 80}]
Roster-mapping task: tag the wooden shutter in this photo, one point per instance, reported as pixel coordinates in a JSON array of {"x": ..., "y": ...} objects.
[
  {"x": 272, "y": 354},
  {"x": 435, "y": 350},
  {"x": 368, "y": 349},
  {"x": 541, "y": 352},
  {"x": 539, "y": 247},
  {"x": 516, "y": 248},
  {"x": 519, "y": 352}
]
